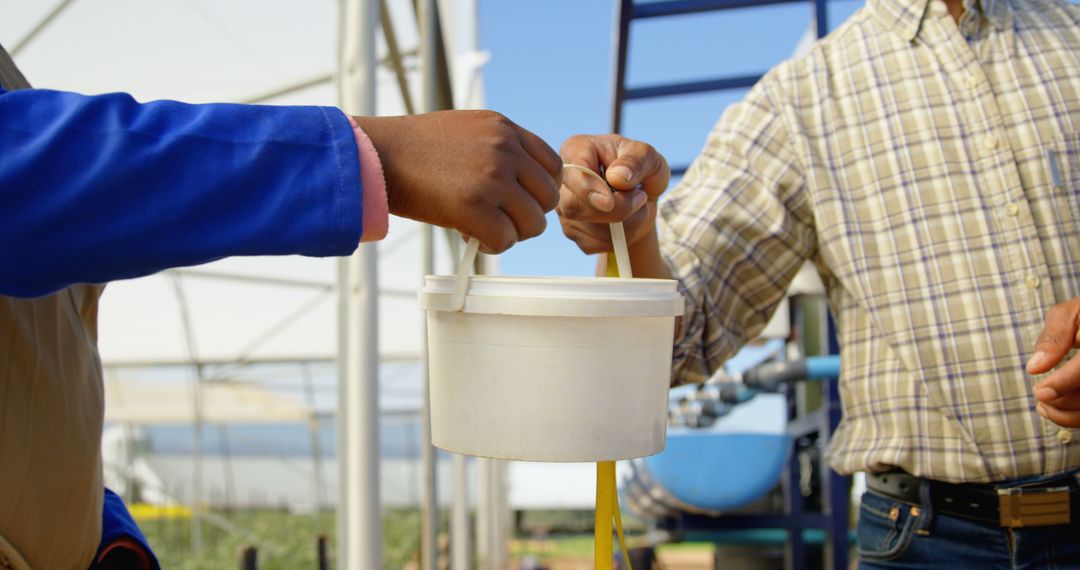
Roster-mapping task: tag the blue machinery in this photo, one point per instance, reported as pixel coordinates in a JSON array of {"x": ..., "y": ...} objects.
[
  {"x": 690, "y": 488},
  {"x": 684, "y": 488}
]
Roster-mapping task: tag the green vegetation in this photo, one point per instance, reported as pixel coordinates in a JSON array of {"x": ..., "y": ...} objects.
[{"x": 287, "y": 541}]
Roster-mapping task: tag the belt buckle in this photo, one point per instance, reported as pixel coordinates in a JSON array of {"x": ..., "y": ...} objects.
[{"x": 1020, "y": 507}]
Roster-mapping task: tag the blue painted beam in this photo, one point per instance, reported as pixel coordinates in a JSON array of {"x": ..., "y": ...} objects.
[
  {"x": 821, "y": 17},
  {"x": 689, "y": 87},
  {"x": 680, "y": 7}
]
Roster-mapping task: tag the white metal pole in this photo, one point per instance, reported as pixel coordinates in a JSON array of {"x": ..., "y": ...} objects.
[
  {"x": 501, "y": 550},
  {"x": 491, "y": 538},
  {"x": 316, "y": 449},
  {"x": 359, "y": 516},
  {"x": 429, "y": 509},
  {"x": 344, "y": 488},
  {"x": 463, "y": 17},
  {"x": 197, "y": 460},
  {"x": 197, "y": 411},
  {"x": 460, "y": 548},
  {"x": 483, "y": 513}
]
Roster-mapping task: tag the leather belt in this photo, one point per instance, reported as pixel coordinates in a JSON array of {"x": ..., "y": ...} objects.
[{"x": 1014, "y": 506}]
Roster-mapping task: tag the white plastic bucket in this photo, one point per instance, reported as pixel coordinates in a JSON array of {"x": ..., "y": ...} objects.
[{"x": 551, "y": 369}]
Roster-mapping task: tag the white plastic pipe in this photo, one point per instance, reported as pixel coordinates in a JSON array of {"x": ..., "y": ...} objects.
[
  {"x": 427, "y": 15},
  {"x": 460, "y": 547},
  {"x": 359, "y": 512},
  {"x": 429, "y": 508},
  {"x": 483, "y": 514}
]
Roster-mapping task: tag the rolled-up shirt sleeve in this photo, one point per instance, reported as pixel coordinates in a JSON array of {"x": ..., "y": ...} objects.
[
  {"x": 735, "y": 232},
  {"x": 98, "y": 188}
]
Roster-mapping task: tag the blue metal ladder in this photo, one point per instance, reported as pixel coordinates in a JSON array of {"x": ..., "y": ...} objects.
[{"x": 627, "y": 11}]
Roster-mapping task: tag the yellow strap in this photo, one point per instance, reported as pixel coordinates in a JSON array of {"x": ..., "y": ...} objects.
[
  {"x": 618, "y": 519},
  {"x": 612, "y": 266},
  {"x": 607, "y": 501}
]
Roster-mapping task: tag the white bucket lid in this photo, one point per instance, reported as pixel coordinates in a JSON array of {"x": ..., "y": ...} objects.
[{"x": 557, "y": 296}]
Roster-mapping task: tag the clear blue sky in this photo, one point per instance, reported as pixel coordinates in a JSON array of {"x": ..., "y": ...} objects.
[{"x": 551, "y": 70}]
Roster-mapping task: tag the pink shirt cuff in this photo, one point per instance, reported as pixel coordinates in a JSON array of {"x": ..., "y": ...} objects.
[{"x": 376, "y": 211}]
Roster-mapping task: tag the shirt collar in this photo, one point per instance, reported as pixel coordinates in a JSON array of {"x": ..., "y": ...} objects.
[
  {"x": 901, "y": 16},
  {"x": 905, "y": 17}
]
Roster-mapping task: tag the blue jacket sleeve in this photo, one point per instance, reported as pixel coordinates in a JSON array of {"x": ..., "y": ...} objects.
[{"x": 98, "y": 188}]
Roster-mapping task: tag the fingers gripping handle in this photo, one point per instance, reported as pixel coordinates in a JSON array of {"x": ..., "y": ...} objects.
[
  {"x": 618, "y": 234},
  {"x": 464, "y": 270}
]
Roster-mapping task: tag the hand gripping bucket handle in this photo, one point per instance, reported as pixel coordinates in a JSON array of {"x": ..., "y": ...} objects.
[{"x": 464, "y": 269}]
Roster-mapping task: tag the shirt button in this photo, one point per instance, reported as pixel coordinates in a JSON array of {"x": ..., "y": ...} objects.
[
  {"x": 990, "y": 142},
  {"x": 1064, "y": 436},
  {"x": 1032, "y": 282},
  {"x": 1012, "y": 209},
  {"x": 972, "y": 82}
]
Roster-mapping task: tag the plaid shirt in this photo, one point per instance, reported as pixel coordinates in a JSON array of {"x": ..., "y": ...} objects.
[{"x": 931, "y": 172}]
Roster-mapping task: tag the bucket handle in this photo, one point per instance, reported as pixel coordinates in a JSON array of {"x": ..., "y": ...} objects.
[
  {"x": 461, "y": 279},
  {"x": 464, "y": 269}
]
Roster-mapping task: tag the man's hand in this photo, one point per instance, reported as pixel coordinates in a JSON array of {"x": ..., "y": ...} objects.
[
  {"x": 1059, "y": 393},
  {"x": 634, "y": 169},
  {"x": 474, "y": 171}
]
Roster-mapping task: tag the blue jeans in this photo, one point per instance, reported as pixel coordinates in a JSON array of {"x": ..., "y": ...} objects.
[{"x": 894, "y": 534}]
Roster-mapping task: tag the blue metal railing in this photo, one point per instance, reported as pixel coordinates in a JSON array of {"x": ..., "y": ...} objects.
[{"x": 627, "y": 11}]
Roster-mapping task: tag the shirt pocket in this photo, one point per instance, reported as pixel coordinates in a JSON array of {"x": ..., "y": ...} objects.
[{"x": 1063, "y": 162}]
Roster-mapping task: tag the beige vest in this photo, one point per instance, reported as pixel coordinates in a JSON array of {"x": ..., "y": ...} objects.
[{"x": 51, "y": 412}]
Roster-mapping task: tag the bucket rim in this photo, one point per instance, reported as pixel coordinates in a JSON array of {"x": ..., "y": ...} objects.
[{"x": 557, "y": 296}]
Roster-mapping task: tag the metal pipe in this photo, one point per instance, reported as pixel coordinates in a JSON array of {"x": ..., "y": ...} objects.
[
  {"x": 430, "y": 53},
  {"x": 460, "y": 547},
  {"x": 40, "y": 27},
  {"x": 821, "y": 17},
  {"x": 429, "y": 525},
  {"x": 624, "y": 10},
  {"x": 290, "y": 89},
  {"x": 492, "y": 514},
  {"x": 249, "y": 558},
  {"x": 197, "y": 410},
  {"x": 461, "y": 553},
  {"x": 316, "y": 448},
  {"x": 394, "y": 54},
  {"x": 501, "y": 516},
  {"x": 359, "y": 519},
  {"x": 227, "y": 465},
  {"x": 483, "y": 513},
  {"x": 342, "y": 439},
  {"x": 197, "y": 462},
  {"x": 228, "y": 361}
]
